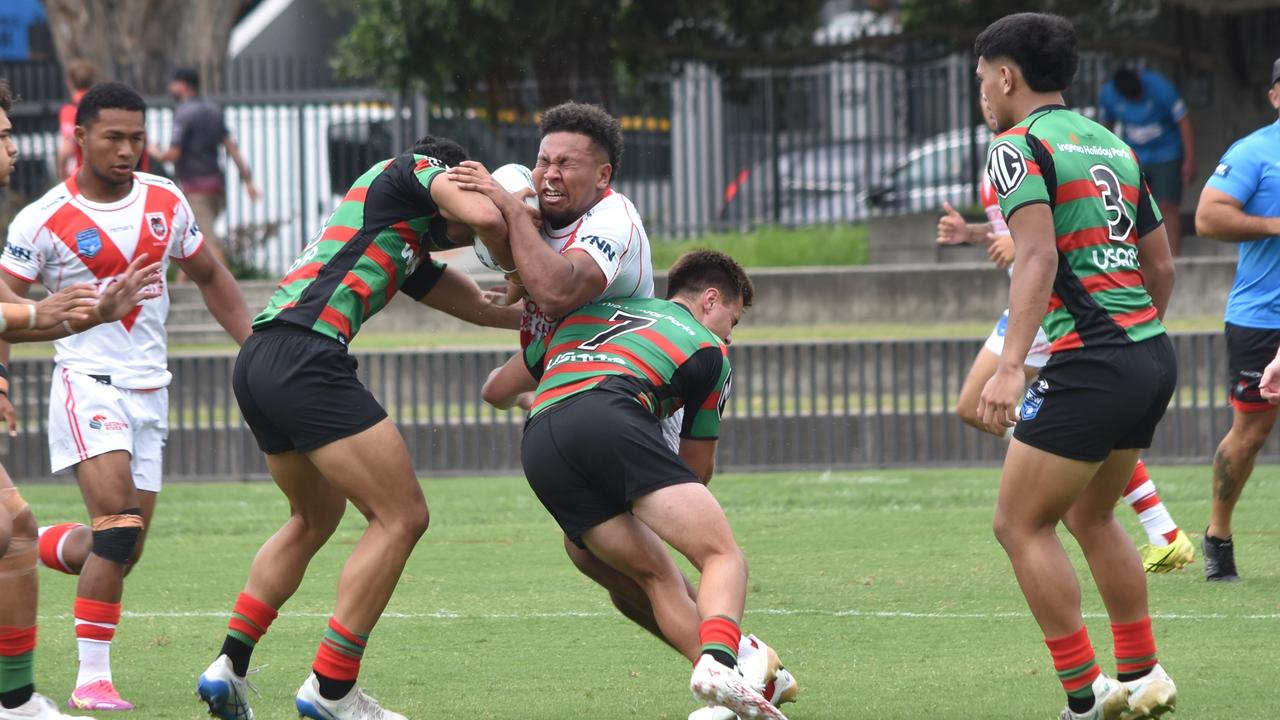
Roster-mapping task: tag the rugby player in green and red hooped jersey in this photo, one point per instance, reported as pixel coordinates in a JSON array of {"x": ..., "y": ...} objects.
[
  {"x": 594, "y": 454},
  {"x": 326, "y": 438},
  {"x": 1094, "y": 264}
]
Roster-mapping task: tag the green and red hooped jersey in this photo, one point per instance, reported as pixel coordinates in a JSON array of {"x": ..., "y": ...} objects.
[
  {"x": 665, "y": 358},
  {"x": 1101, "y": 205},
  {"x": 370, "y": 247}
]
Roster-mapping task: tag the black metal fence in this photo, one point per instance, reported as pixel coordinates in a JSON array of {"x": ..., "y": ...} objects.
[
  {"x": 893, "y": 131},
  {"x": 799, "y": 406}
]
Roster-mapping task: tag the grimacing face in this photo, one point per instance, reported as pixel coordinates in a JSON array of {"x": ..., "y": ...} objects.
[
  {"x": 8, "y": 149},
  {"x": 570, "y": 176},
  {"x": 113, "y": 144}
]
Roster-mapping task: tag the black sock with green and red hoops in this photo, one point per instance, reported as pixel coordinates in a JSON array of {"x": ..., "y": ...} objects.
[
  {"x": 720, "y": 636},
  {"x": 1077, "y": 668},
  {"x": 337, "y": 662},
  {"x": 250, "y": 619}
]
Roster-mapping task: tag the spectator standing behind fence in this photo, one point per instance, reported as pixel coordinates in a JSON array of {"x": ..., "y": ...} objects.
[
  {"x": 1149, "y": 115},
  {"x": 80, "y": 77},
  {"x": 198, "y": 130}
]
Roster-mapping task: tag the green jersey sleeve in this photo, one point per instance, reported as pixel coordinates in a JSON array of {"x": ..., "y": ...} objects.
[
  {"x": 1015, "y": 173},
  {"x": 704, "y": 381}
]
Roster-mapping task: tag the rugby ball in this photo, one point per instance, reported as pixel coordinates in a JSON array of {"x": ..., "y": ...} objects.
[{"x": 512, "y": 177}]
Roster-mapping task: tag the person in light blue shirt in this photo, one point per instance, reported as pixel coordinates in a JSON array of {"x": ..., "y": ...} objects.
[
  {"x": 1147, "y": 112},
  {"x": 1241, "y": 204}
]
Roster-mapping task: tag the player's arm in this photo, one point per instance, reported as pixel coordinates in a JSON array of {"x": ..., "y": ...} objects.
[
  {"x": 220, "y": 291},
  {"x": 1154, "y": 256},
  {"x": 78, "y": 307},
  {"x": 704, "y": 380},
  {"x": 953, "y": 229},
  {"x": 1188, "y": 148},
  {"x": 1221, "y": 216},
  {"x": 477, "y": 211},
  {"x": 507, "y": 382},
  {"x": 456, "y": 293},
  {"x": 246, "y": 175}
]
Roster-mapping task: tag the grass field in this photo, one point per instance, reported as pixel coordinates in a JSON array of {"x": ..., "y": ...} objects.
[{"x": 883, "y": 589}]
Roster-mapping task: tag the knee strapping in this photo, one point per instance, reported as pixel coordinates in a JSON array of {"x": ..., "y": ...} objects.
[
  {"x": 19, "y": 558},
  {"x": 115, "y": 536},
  {"x": 12, "y": 501}
]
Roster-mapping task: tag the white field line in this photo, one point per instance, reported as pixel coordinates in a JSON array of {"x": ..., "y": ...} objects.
[{"x": 784, "y": 612}]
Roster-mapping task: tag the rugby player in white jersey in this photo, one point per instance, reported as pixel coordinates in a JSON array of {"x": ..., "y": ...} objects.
[
  {"x": 108, "y": 405},
  {"x": 588, "y": 244}
]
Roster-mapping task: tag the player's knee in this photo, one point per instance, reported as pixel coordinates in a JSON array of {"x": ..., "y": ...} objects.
[
  {"x": 115, "y": 537},
  {"x": 24, "y": 525},
  {"x": 410, "y": 523},
  {"x": 1252, "y": 437}
]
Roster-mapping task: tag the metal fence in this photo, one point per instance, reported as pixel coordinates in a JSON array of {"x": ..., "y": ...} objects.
[
  {"x": 893, "y": 131},
  {"x": 793, "y": 406}
]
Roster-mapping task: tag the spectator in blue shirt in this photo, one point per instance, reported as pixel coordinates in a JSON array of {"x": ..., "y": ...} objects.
[
  {"x": 1241, "y": 204},
  {"x": 1147, "y": 112}
]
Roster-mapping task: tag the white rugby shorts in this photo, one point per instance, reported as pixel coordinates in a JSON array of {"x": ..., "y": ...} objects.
[{"x": 1036, "y": 357}]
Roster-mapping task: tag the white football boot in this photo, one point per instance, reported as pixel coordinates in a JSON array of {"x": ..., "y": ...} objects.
[
  {"x": 226, "y": 693},
  {"x": 1111, "y": 701},
  {"x": 759, "y": 665},
  {"x": 38, "y": 707},
  {"x": 1151, "y": 695},
  {"x": 355, "y": 706},
  {"x": 722, "y": 686}
]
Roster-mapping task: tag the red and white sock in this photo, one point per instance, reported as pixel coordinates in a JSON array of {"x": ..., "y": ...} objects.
[
  {"x": 1141, "y": 495},
  {"x": 52, "y": 540},
  {"x": 95, "y": 629}
]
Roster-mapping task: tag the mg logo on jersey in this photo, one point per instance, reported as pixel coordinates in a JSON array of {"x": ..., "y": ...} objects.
[
  {"x": 88, "y": 243},
  {"x": 158, "y": 226},
  {"x": 1006, "y": 167}
]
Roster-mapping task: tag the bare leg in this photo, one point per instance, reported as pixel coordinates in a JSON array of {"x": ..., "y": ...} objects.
[
  {"x": 1113, "y": 560},
  {"x": 1233, "y": 464}
]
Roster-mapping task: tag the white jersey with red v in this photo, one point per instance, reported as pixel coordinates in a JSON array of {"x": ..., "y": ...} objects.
[{"x": 64, "y": 238}]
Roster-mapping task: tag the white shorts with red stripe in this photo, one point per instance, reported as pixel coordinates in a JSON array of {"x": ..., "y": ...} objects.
[{"x": 89, "y": 417}]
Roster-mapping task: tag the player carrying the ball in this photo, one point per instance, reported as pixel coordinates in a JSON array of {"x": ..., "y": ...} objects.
[
  {"x": 1093, "y": 254},
  {"x": 326, "y": 438}
]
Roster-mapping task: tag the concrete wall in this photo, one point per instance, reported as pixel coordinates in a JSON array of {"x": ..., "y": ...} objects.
[{"x": 905, "y": 293}]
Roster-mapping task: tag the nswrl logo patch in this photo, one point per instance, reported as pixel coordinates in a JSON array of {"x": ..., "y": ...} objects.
[{"x": 1006, "y": 167}]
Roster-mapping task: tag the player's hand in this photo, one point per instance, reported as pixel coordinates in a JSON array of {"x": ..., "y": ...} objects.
[
  {"x": 952, "y": 229},
  {"x": 1269, "y": 386},
  {"x": 1000, "y": 249},
  {"x": 252, "y": 191},
  {"x": 139, "y": 282},
  {"x": 534, "y": 213},
  {"x": 471, "y": 175},
  {"x": 525, "y": 400},
  {"x": 9, "y": 415},
  {"x": 1188, "y": 170},
  {"x": 998, "y": 404},
  {"x": 74, "y": 303}
]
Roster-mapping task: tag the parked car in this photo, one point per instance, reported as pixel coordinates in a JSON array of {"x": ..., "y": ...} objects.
[{"x": 945, "y": 167}]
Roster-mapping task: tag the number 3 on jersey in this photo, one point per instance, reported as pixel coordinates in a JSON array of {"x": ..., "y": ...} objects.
[
  {"x": 1119, "y": 224},
  {"x": 626, "y": 323}
]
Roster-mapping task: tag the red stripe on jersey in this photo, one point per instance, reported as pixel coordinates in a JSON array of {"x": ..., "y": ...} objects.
[
  {"x": 1019, "y": 131},
  {"x": 1076, "y": 190},
  {"x": 1112, "y": 281},
  {"x": 339, "y": 321},
  {"x": 1130, "y": 193},
  {"x": 1045, "y": 143},
  {"x": 604, "y": 368},
  {"x": 1070, "y": 341},
  {"x": 665, "y": 345},
  {"x": 423, "y": 165},
  {"x": 341, "y": 233},
  {"x": 1136, "y": 317},
  {"x": 384, "y": 261},
  {"x": 1089, "y": 237},
  {"x": 306, "y": 272},
  {"x": 106, "y": 263},
  {"x": 360, "y": 288},
  {"x": 650, "y": 374},
  {"x": 563, "y": 390},
  {"x": 356, "y": 194},
  {"x": 407, "y": 234}
]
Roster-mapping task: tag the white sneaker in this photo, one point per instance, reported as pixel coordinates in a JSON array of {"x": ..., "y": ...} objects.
[
  {"x": 716, "y": 684},
  {"x": 355, "y": 706},
  {"x": 38, "y": 707},
  {"x": 224, "y": 692},
  {"x": 1110, "y": 702},
  {"x": 1151, "y": 695}
]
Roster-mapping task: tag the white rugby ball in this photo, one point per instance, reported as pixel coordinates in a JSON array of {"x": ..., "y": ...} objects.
[{"x": 511, "y": 177}]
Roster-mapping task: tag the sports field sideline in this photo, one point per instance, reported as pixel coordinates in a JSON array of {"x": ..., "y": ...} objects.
[{"x": 883, "y": 590}]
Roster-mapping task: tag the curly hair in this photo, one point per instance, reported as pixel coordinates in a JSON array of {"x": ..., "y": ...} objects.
[
  {"x": 698, "y": 270},
  {"x": 108, "y": 96},
  {"x": 6, "y": 96},
  {"x": 443, "y": 149},
  {"x": 589, "y": 120},
  {"x": 1042, "y": 45}
]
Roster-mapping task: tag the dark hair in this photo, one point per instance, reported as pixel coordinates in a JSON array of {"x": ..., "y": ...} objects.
[
  {"x": 1042, "y": 45},
  {"x": 1128, "y": 83},
  {"x": 443, "y": 149},
  {"x": 6, "y": 96},
  {"x": 81, "y": 74},
  {"x": 589, "y": 120},
  {"x": 108, "y": 96},
  {"x": 189, "y": 76},
  {"x": 698, "y": 270}
]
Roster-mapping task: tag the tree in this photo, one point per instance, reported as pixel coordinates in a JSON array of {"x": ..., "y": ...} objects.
[
  {"x": 141, "y": 41},
  {"x": 477, "y": 50}
]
